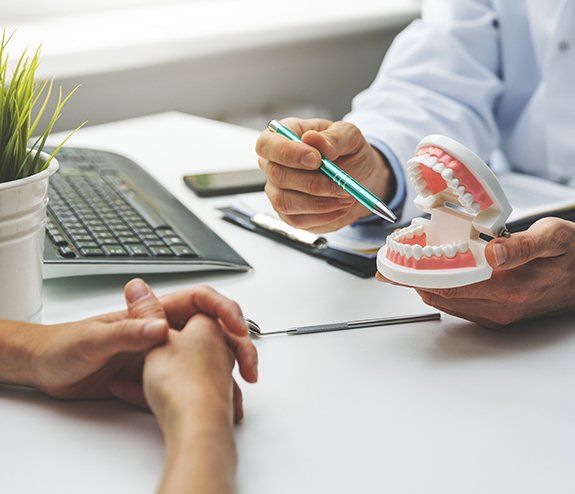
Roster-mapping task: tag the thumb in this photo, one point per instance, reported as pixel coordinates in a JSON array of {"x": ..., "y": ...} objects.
[
  {"x": 340, "y": 139},
  {"x": 141, "y": 301},
  {"x": 126, "y": 335},
  {"x": 549, "y": 237}
]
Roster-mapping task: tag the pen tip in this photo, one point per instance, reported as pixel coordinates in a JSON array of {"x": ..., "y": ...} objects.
[{"x": 384, "y": 212}]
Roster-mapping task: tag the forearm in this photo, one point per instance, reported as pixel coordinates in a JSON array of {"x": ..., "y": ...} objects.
[
  {"x": 200, "y": 454},
  {"x": 16, "y": 349}
]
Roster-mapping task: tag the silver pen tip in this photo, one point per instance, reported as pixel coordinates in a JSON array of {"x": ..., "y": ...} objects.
[{"x": 384, "y": 212}]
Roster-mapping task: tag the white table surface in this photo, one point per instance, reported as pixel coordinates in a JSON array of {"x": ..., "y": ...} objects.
[{"x": 441, "y": 407}]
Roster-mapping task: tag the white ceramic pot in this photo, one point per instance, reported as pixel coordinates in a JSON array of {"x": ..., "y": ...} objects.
[{"x": 22, "y": 226}]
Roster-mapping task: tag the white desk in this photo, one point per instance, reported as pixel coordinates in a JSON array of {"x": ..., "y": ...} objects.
[{"x": 436, "y": 407}]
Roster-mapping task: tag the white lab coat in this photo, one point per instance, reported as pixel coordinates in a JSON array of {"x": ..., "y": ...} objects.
[{"x": 497, "y": 75}]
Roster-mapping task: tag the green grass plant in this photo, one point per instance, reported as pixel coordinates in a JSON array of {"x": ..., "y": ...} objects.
[{"x": 23, "y": 103}]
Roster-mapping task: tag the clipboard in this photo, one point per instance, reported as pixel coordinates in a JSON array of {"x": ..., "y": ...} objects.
[{"x": 361, "y": 266}]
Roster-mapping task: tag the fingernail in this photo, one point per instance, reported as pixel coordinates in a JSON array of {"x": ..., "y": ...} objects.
[
  {"x": 310, "y": 160},
  {"x": 154, "y": 329},
  {"x": 255, "y": 370},
  {"x": 136, "y": 290},
  {"x": 500, "y": 252}
]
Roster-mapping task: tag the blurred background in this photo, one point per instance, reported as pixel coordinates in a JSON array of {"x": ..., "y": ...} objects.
[{"x": 240, "y": 61}]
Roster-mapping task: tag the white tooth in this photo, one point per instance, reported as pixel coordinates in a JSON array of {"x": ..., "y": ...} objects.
[
  {"x": 437, "y": 251},
  {"x": 419, "y": 186},
  {"x": 393, "y": 245},
  {"x": 414, "y": 163},
  {"x": 409, "y": 234},
  {"x": 429, "y": 161},
  {"x": 417, "y": 251},
  {"x": 454, "y": 183},
  {"x": 414, "y": 170},
  {"x": 447, "y": 174},
  {"x": 462, "y": 246},
  {"x": 449, "y": 250},
  {"x": 428, "y": 251},
  {"x": 467, "y": 199},
  {"x": 439, "y": 167},
  {"x": 401, "y": 248},
  {"x": 475, "y": 207},
  {"x": 418, "y": 230},
  {"x": 407, "y": 251},
  {"x": 460, "y": 190}
]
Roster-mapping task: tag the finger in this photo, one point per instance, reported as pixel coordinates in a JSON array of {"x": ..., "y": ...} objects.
[
  {"x": 128, "y": 335},
  {"x": 141, "y": 301},
  {"x": 340, "y": 139},
  {"x": 130, "y": 392},
  {"x": 246, "y": 355},
  {"x": 310, "y": 182},
  {"x": 313, "y": 221},
  {"x": 238, "y": 403},
  {"x": 383, "y": 279},
  {"x": 291, "y": 202},
  {"x": 182, "y": 305},
  {"x": 549, "y": 237},
  {"x": 300, "y": 125},
  {"x": 277, "y": 148}
]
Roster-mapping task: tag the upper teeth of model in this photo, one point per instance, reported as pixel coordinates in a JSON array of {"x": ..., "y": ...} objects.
[
  {"x": 416, "y": 251},
  {"x": 464, "y": 197}
]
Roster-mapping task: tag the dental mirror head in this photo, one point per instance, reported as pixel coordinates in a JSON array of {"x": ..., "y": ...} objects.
[{"x": 464, "y": 199}]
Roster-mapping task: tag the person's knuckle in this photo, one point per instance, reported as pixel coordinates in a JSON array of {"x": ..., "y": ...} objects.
[
  {"x": 526, "y": 246},
  {"x": 563, "y": 235},
  {"x": 277, "y": 174},
  {"x": 273, "y": 194},
  {"x": 260, "y": 145},
  {"x": 286, "y": 154},
  {"x": 316, "y": 184}
]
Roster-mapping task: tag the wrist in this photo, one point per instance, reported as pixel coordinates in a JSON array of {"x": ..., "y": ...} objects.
[
  {"x": 197, "y": 410},
  {"x": 18, "y": 343}
]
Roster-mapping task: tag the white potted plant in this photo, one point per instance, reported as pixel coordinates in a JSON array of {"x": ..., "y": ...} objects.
[{"x": 24, "y": 173}]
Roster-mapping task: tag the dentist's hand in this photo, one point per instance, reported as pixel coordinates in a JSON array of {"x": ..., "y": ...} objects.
[
  {"x": 534, "y": 275},
  {"x": 302, "y": 195}
]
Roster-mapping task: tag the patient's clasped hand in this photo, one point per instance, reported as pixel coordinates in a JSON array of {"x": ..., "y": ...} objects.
[
  {"x": 464, "y": 199},
  {"x": 173, "y": 354}
]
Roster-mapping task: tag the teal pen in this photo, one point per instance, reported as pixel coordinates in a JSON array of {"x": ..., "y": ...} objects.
[{"x": 350, "y": 185}]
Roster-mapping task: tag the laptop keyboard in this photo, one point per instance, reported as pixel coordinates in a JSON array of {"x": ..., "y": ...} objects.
[{"x": 93, "y": 215}]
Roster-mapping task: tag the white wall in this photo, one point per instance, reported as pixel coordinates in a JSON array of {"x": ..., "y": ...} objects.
[{"x": 324, "y": 72}]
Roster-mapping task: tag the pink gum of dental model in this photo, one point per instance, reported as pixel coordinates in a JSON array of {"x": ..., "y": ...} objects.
[{"x": 436, "y": 184}]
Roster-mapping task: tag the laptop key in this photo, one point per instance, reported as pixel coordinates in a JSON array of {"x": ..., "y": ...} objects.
[
  {"x": 92, "y": 252},
  {"x": 114, "y": 250},
  {"x": 161, "y": 252},
  {"x": 66, "y": 252},
  {"x": 173, "y": 240},
  {"x": 137, "y": 250},
  {"x": 183, "y": 251}
]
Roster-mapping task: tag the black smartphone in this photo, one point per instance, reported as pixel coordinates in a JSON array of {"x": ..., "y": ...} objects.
[{"x": 226, "y": 183}]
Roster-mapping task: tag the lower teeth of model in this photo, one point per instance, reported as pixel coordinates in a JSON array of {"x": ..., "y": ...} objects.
[{"x": 449, "y": 250}]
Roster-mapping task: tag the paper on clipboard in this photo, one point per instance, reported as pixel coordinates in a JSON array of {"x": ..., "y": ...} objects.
[{"x": 364, "y": 240}]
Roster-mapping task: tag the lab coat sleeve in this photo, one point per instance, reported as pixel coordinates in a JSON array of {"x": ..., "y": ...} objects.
[{"x": 440, "y": 76}]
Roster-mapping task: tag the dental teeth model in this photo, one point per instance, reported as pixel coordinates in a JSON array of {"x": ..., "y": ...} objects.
[{"x": 464, "y": 199}]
